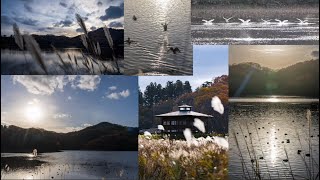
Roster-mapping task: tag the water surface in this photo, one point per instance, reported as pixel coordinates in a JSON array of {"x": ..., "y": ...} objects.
[
  {"x": 149, "y": 51},
  {"x": 71, "y": 165},
  {"x": 15, "y": 62},
  {"x": 256, "y": 31},
  {"x": 266, "y": 130}
]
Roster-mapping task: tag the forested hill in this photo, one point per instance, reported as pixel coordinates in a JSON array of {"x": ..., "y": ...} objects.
[
  {"x": 103, "y": 136},
  {"x": 249, "y": 79},
  {"x": 157, "y": 100}
]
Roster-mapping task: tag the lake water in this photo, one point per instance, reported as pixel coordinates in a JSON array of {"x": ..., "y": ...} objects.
[
  {"x": 22, "y": 63},
  {"x": 265, "y": 130},
  {"x": 149, "y": 50},
  {"x": 256, "y": 32},
  {"x": 71, "y": 165}
]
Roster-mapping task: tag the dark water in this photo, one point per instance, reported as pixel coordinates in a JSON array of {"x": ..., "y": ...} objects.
[
  {"x": 149, "y": 51},
  {"x": 21, "y": 62},
  {"x": 257, "y": 31},
  {"x": 71, "y": 165},
  {"x": 269, "y": 129}
]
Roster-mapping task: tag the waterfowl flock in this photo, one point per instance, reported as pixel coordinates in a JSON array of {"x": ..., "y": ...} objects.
[{"x": 278, "y": 22}]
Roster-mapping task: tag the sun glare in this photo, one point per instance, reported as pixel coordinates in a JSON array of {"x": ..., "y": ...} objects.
[
  {"x": 33, "y": 112},
  {"x": 273, "y": 99}
]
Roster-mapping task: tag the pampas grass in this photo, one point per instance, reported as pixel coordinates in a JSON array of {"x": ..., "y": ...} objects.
[
  {"x": 34, "y": 49},
  {"x": 17, "y": 36},
  {"x": 88, "y": 60}
]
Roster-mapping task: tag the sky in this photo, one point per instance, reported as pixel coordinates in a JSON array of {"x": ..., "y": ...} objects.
[
  {"x": 68, "y": 103},
  {"x": 273, "y": 56},
  {"x": 58, "y": 16},
  {"x": 208, "y": 62}
]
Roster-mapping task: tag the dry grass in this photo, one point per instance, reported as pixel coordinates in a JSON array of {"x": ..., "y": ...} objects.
[
  {"x": 92, "y": 61},
  {"x": 173, "y": 159}
]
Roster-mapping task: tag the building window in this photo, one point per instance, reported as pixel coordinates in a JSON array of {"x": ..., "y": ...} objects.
[
  {"x": 184, "y": 122},
  {"x": 173, "y": 122},
  {"x": 188, "y": 109},
  {"x": 182, "y": 109}
]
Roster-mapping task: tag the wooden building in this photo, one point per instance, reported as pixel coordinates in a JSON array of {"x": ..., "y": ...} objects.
[{"x": 177, "y": 121}]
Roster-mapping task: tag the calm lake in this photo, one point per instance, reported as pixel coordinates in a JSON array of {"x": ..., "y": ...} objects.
[
  {"x": 22, "y": 63},
  {"x": 71, "y": 165},
  {"x": 292, "y": 32},
  {"x": 273, "y": 138},
  {"x": 149, "y": 50}
]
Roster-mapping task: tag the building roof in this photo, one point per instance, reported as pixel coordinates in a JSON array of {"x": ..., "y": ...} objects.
[{"x": 183, "y": 113}]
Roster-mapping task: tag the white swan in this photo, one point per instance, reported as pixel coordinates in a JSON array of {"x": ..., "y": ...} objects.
[
  {"x": 266, "y": 21},
  {"x": 245, "y": 22},
  {"x": 207, "y": 22},
  {"x": 281, "y": 23},
  {"x": 227, "y": 19},
  {"x": 302, "y": 22}
]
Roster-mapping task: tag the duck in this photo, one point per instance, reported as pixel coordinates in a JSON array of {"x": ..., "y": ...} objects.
[
  {"x": 281, "y": 23},
  {"x": 207, "y": 22},
  {"x": 227, "y": 19},
  {"x": 129, "y": 41},
  {"x": 266, "y": 21},
  {"x": 174, "y": 50},
  {"x": 165, "y": 26},
  {"x": 302, "y": 22},
  {"x": 245, "y": 22},
  {"x": 134, "y": 18}
]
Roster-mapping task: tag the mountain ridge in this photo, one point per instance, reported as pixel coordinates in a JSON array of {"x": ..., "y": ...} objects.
[
  {"x": 102, "y": 136},
  {"x": 300, "y": 79}
]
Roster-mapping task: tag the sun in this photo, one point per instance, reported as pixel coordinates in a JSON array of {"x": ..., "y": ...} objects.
[{"x": 33, "y": 112}]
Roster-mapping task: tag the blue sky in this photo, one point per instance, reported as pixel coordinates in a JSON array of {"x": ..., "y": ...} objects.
[
  {"x": 68, "y": 103},
  {"x": 208, "y": 62},
  {"x": 58, "y": 16}
]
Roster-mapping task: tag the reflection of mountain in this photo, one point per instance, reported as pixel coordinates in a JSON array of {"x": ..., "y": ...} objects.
[
  {"x": 301, "y": 79},
  {"x": 98, "y": 35},
  {"x": 103, "y": 136}
]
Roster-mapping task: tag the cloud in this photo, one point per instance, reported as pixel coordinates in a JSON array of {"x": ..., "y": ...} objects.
[
  {"x": 34, "y": 101},
  {"x": 88, "y": 82},
  {"x": 63, "y": 4},
  {"x": 93, "y": 28},
  {"x": 112, "y": 88},
  {"x": 71, "y": 129},
  {"x": 125, "y": 93},
  {"x": 28, "y": 8},
  {"x": 26, "y": 21},
  {"x": 315, "y": 54},
  {"x": 113, "y": 96},
  {"x": 61, "y": 116},
  {"x": 86, "y": 125},
  {"x": 118, "y": 95},
  {"x": 69, "y": 98},
  {"x": 42, "y": 85},
  {"x": 113, "y": 12},
  {"x": 64, "y": 23},
  {"x": 47, "y": 85},
  {"x": 6, "y": 20},
  {"x": 79, "y": 30},
  {"x": 115, "y": 24},
  {"x": 45, "y": 29},
  {"x": 99, "y": 3}
]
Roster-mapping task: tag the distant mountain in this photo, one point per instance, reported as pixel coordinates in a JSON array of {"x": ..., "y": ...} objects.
[
  {"x": 103, "y": 136},
  {"x": 250, "y": 79},
  {"x": 98, "y": 35}
]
